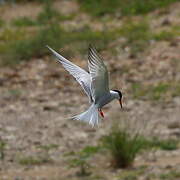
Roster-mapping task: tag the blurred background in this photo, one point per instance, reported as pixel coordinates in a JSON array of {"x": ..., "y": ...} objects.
[{"x": 140, "y": 43}]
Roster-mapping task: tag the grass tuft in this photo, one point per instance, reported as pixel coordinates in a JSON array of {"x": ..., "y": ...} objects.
[
  {"x": 23, "y": 22},
  {"x": 2, "y": 149},
  {"x": 123, "y": 145},
  {"x": 33, "y": 160}
]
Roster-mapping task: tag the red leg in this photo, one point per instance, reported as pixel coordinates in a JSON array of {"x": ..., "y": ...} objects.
[{"x": 101, "y": 113}]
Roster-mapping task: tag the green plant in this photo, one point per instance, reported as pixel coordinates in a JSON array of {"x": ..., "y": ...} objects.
[
  {"x": 125, "y": 7},
  {"x": 164, "y": 144},
  {"x": 164, "y": 35},
  {"x": 2, "y": 149},
  {"x": 137, "y": 35},
  {"x": 30, "y": 160},
  {"x": 15, "y": 49},
  {"x": 23, "y": 21},
  {"x": 48, "y": 14},
  {"x": 159, "y": 91},
  {"x": 167, "y": 35},
  {"x": 27, "y": 1},
  {"x": 1, "y": 22},
  {"x": 8, "y": 35},
  {"x": 14, "y": 92},
  {"x": 81, "y": 159},
  {"x": 132, "y": 174},
  {"x": 35, "y": 46},
  {"x": 87, "y": 36},
  {"x": 137, "y": 90},
  {"x": 170, "y": 175},
  {"x": 48, "y": 147},
  {"x": 123, "y": 146}
]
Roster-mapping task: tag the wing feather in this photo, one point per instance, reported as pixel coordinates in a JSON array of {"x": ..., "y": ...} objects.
[
  {"x": 99, "y": 74},
  {"x": 82, "y": 76}
]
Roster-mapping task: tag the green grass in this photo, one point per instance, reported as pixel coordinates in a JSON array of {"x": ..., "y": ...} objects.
[
  {"x": 167, "y": 35},
  {"x": 163, "y": 144},
  {"x": 23, "y": 22},
  {"x": 35, "y": 46},
  {"x": 2, "y": 149},
  {"x": 9, "y": 34},
  {"x": 14, "y": 93},
  {"x": 123, "y": 146},
  {"x": 125, "y": 143},
  {"x": 48, "y": 13},
  {"x": 131, "y": 174},
  {"x": 19, "y": 44},
  {"x": 170, "y": 175},
  {"x": 48, "y": 147},
  {"x": 15, "y": 50},
  {"x": 137, "y": 36},
  {"x": 160, "y": 91},
  {"x": 30, "y": 160},
  {"x": 80, "y": 159},
  {"x": 124, "y": 7},
  {"x": 27, "y": 1},
  {"x": 1, "y": 23}
]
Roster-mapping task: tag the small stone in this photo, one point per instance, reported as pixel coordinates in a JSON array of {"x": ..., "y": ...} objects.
[{"x": 166, "y": 22}]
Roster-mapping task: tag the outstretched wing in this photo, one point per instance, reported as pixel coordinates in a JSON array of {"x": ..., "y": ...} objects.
[
  {"x": 82, "y": 76},
  {"x": 99, "y": 74}
]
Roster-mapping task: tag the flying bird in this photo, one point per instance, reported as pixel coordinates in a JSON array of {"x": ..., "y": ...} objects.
[{"x": 95, "y": 84}]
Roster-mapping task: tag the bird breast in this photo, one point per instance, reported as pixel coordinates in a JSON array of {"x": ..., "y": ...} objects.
[{"x": 105, "y": 99}]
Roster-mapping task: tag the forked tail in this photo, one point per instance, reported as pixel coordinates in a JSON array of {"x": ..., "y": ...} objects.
[{"x": 90, "y": 116}]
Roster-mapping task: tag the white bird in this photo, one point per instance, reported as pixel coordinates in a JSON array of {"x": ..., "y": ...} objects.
[{"x": 95, "y": 84}]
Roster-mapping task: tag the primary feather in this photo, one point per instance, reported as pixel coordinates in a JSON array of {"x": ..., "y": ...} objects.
[{"x": 82, "y": 76}]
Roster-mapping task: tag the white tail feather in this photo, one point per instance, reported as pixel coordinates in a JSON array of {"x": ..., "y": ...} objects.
[{"x": 90, "y": 116}]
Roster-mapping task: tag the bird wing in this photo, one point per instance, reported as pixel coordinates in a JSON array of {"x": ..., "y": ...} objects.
[
  {"x": 99, "y": 74},
  {"x": 82, "y": 76}
]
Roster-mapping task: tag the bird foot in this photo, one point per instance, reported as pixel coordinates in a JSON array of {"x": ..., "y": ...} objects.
[{"x": 101, "y": 113}]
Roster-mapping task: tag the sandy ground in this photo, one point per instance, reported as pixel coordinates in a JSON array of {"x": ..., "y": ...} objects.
[{"x": 37, "y": 97}]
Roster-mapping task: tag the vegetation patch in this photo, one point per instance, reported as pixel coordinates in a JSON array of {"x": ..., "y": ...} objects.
[
  {"x": 170, "y": 175},
  {"x": 124, "y": 7},
  {"x": 160, "y": 91},
  {"x": 23, "y": 22},
  {"x": 34, "y": 46},
  {"x": 123, "y": 146},
  {"x": 2, "y": 149},
  {"x": 163, "y": 144},
  {"x": 48, "y": 14},
  {"x": 80, "y": 159},
  {"x": 137, "y": 34},
  {"x": 167, "y": 35},
  {"x": 30, "y": 160},
  {"x": 125, "y": 143},
  {"x": 1, "y": 22},
  {"x": 132, "y": 174},
  {"x": 8, "y": 34},
  {"x": 23, "y": 49}
]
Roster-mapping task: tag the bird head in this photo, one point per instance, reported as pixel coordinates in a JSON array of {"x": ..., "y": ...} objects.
[{"x": 119, "y": 96}]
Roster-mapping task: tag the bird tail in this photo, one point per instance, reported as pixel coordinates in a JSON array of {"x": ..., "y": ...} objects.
[{"x": 90, "y": 116}]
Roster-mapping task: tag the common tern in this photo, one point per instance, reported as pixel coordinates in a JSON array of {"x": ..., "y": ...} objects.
[{"x": 95, "y": 84}]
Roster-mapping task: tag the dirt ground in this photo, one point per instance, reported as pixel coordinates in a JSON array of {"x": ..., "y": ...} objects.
[{"x": 38, "y": 96}]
